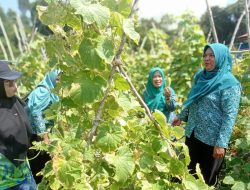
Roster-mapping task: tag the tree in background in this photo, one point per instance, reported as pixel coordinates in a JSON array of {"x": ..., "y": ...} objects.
[{"x": 225, "y": 20}]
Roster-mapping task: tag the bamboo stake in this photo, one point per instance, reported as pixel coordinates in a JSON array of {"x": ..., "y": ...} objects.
[
  {"x": 212, "y": 22},
  {"x": 247, "y": 23},
  {"x": 22, "y": 32},
  {"x": 237, "y": 28},
  {"x": 209, "y": 35},
  {"x": 4, "y": 51},
  {"x": 7, "y": 40},
  {"x": 18, "y": 38}
]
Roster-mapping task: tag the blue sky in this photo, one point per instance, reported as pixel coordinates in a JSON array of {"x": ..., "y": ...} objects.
[
  {"x": 154, "y": 8},
  {"x": 9, "y": 4}
]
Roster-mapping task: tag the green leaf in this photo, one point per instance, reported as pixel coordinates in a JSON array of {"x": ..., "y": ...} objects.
[
  {"x": 146, "y": 163},
  {"x": 190, "y": 183},
  {"x": 238, "y": 186},
  {"x": 124, "y": 7},
  {"x": 55, "y": 11},
  {"x": 109, "y": 138},
  {"x": 157, "y": 145},
  {"x": 90, "y": 56},
  {"x": 160, "y": 118},
  {"x": 92, "y": 13},
  {"x": 178, "y": 132},
  {"x": 105, "y": 49},
  {"x": 128, "y": 28},
  {"x": 228, "y": 180},
  {"x": 127, "y": 102},
  {"x": 121, "y": 83},
  {"x": 177, "y": 167},
  {"x": 123, "y": 162},
  {"x": 90, "y": 88}
]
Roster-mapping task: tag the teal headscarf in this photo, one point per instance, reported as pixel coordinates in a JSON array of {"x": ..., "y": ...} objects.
[
  {"x": 40, "y": 98},
  {"x": 206, "y": 82},
  {"x": 153, "y": 96}
]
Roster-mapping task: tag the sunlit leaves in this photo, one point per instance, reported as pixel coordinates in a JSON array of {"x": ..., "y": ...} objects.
[
  {"x": 123, "y": 162},
  {"x": 91, "y": 13},
  {"x": 105, "y": 49},
  {"x": 121, "y": 83},
  {"x": 109, "y": 137},
  {"x": 128, "y": 27}
]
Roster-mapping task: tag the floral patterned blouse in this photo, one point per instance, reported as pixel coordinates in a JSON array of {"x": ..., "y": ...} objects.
[
  {"x": 11, "y": 175},
  {"x": 212, "y": 117}
]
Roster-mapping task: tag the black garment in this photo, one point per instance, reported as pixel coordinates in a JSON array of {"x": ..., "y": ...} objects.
[
  {"x": 37, "y": 159},
  {"x": 203, "y": 154},
  {"x": 15, "y": 130}
]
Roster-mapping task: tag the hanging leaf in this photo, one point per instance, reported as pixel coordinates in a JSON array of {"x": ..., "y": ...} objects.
[
  {"x": 128, "y": 28},
  {"x": 89, "y": 55}
]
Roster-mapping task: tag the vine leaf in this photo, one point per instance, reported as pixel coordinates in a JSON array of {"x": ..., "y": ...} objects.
[
  {"x": 109, "y": 138},
  {"x": 123, "y": 162},
  {"x": 105, "y": 49},
  {"x": 128, "y": 28},
  {"x": 90, "y": 88},
  {"x": 92, "y": 13},
  {"x": 89, "y": 55}
]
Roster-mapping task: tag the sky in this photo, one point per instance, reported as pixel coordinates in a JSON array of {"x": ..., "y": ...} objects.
[{"x": 155, "y": 8}]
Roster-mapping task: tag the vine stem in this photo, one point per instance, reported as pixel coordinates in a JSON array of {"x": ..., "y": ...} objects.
[{"x": 116, "y": 60}]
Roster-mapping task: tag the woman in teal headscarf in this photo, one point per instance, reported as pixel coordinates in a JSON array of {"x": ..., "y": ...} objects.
[
  {"x": 38, "y": 101},
  {"x": 210, "y": 112},
  {"x": 158, "y": 96}
]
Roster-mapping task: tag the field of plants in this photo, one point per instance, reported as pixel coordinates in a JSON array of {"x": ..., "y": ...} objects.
[{"x": 104, "y": 136}]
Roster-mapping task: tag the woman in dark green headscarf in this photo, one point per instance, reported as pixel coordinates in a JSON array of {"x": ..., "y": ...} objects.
[{"x": 158, "y": 96}]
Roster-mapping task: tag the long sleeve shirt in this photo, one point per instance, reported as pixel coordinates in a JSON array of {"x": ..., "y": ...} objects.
[
  {"x": 170, "y": 106},
  {"x": 212, "y": 117}
]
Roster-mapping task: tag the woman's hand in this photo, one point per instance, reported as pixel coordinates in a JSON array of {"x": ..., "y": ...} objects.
[
  {"x": 218, "y": 152},
  {"x": 176, "y": 121},
  {"x": 46, "y": 138},
  {"x": 167, "y": 94}
]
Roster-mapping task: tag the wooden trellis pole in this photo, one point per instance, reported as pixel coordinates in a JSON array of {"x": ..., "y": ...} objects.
[
  {"x": 247, "y": 23},
  {"x": 4, "y": 51},
  {"x": 212, "y": 22},
  {"x": 18, "y": 38},
  {"x": 7, "y": 40},
  {"x": 22, "y": 32},
  {"x": 209, "y": 35},
  {"x": 236, "y": 29}
]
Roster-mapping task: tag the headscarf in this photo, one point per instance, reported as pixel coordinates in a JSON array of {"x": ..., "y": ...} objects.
[
  {"x": 153, "y": 96},
  {"x": 2, "y": 89},
  {"x": 41, "y": 97},
  {"x": 220, "y": 78}
]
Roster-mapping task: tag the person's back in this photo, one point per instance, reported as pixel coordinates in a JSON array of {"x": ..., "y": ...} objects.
[{"x": 38, "y": 101}]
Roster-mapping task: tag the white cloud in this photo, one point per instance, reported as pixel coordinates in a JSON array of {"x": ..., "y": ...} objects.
[{"x": 156, "y": 8}]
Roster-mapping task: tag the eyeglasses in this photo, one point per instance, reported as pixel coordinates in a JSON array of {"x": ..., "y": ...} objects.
[{"x": 10, "y": 83}]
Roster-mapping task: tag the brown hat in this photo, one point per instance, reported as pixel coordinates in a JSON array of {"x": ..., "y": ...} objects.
[{"x": 6, "y": 73}]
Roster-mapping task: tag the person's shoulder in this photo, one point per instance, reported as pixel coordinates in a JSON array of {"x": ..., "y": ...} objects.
[{"x": 235, "y": 89}]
